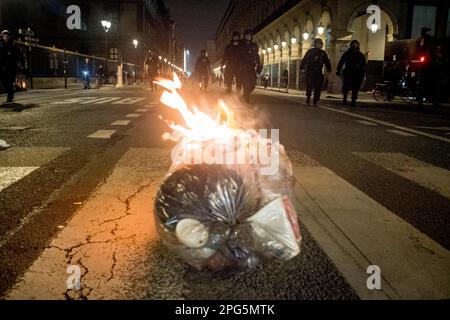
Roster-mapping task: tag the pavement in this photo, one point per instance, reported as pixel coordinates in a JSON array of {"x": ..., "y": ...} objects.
[{"x": 78, "y": 183}]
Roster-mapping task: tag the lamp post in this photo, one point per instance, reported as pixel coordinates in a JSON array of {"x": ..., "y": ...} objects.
[
  {"x": 106, "y": 26},
  {"x": 186, "y": 53}
]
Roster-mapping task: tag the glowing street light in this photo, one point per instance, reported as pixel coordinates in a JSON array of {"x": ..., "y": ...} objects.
[
  {"x": 269, "y": 50},
  {"x": 374, "y": 27},
  {"x": 320, "y": 29},
  {"x": 305, "y": 35},
  {"x": 264, "y": 51},
  {"x": 135, "y": 43},
  {"x": 106, "y": 25},
  {"x": 276, "y": 47},
  {"x": 283, "y": 44},
  {"x": 293, "y": 40}
]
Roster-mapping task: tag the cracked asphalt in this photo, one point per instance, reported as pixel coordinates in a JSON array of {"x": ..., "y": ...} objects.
[{"x": 92, "y": 200}]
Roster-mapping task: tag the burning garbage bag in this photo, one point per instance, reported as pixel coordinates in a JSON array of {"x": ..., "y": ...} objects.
[{"x": 230, "y": 215}]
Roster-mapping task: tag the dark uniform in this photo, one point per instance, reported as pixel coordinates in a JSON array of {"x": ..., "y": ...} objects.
[
  {"x": 153, "y": 69},
  {"x": 353, "y": 75},
  {"x": 9, "y": 60},
  {"x": 231, "y": 61},
  {"x": 202, "y": 70},
  {"x": 250, "y": 65},
  {"x": 314, "y": 61}
]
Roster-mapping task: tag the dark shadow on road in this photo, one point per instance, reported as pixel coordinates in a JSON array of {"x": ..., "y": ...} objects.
[{"x": 18, "y": 107}]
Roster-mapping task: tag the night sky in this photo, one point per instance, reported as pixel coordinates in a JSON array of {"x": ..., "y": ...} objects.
[{"x": 196, "y": 21}]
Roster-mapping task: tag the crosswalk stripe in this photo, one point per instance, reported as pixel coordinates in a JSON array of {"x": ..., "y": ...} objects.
[
  {"x": 133, "y": 115},
  {"x": 367, "y": 123},
  {"x": 402, "y": 133},
  {"x": 18, "y": 162},
  {"x": 107, "y": 99},
  {"x": 121, "y": 123},
  {"x": 10, "y": 175},
  {"x": 356, "y": 232},
  {"x": 142, "y": 110},
  {"x": 431, "y": 177},
  {"x": 132, "y": 100},
  {"x": 102, "y": 134}
]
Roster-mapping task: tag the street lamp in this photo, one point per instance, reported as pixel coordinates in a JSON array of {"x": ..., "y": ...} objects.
[
  {"x": 305, "y": 35},
  {"x": 106, "y": 26},
  {"x": 293, "y": 40},
  {"x": 276, "y": 47},
  {"x": 135, "y": 43},
  {"x": 269, "y": 50},
  {"x": 374, "y": 27},
  {"x": 320, "y": 29},
  {"x": 283, "y": 44},
  {"x": 264, "y": 51}
]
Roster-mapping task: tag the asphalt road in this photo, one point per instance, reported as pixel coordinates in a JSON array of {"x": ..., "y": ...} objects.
[{"x": 61, "y": 155}]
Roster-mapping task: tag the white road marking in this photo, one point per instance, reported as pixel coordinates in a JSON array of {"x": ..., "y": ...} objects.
[
  {"x": 129, "y": 100},
  {"x": 121, "y": 123},
  {"x": 435, "y": 128},
  {"x": 46, "y": 97},
  {"x": 92, "y": 101},
  {"x": 102, "y": 134},
  {"x": 76, "y": 100},
  {"x": 10, "y": 175},
  {"x": 141, "y": 110},
  {"x": 133, "y": 115},
  {"x": 388, "y": 124},
  {"x": 356, "y": 231},
  {"x": 433, "y": 178},
  {"x": 402, "y": 133},
  {"x": 107, "y": 99},
  {"x": 367, "y": 123}
]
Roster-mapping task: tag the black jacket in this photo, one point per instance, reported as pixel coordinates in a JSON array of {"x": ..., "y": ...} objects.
[
  {"x": 250, "y": 56},
  {"x": 354, "y": 61},
  {"x": 9, "y": 59},
  {"x": 202, "y": 66},
  {"x": 231, "y": 56},
  {"x": 314, "y": 61}
]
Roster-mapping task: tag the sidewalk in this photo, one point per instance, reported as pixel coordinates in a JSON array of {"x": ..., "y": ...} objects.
[{"x": 363, "y": 96}]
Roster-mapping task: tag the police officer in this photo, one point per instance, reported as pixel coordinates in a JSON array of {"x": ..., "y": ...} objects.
[
  {"x": 231, "y": 62},
  {"x": 9, "y": 60},
  {"x": 203, "y": 70},
  {"x": 250, "y": 64},
  {"x": 313, "y": 62},
  {"x": 152, "y": 65},
  {"x": 353, "y": 74}
]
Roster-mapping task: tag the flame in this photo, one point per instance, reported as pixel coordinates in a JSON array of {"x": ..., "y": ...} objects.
[{"x": 199, "y": 126}]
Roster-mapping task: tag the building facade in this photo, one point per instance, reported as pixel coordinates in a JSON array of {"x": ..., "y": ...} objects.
[
  {"x": 55, "y": 23},
  {"x": 284, "y": 30}
]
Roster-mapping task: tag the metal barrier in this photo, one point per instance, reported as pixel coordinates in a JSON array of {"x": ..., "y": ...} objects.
[{"x": 50, "y": 62}]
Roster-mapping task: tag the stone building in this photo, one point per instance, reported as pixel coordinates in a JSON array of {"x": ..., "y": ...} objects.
[
  {"x": 147, "y": 21},
  {"x": 284, "y": 30}
]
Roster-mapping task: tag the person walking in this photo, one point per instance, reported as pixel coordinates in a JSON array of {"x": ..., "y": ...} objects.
[
  {"x": 251, "y": 65},
  {"x": 312, "y": 65},
  {"x": 9, "y": 63},
  {"x": 353, "y": 74},
  {"x": 203, "y": 70},
  {"x": 231, "y": 62}
]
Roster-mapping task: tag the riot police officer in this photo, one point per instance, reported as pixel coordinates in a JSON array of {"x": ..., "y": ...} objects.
[
  {"x": 231, "y": 62},
  {"x": 313, "y": 62},
  {"x": 203, "y": 70},
  {"x": 250, "y": 64},
  {"x": 353, "y": 74}
]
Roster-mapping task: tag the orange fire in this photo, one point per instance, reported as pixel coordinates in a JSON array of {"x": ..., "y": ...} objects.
[{"x": 199, "y": 126}]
